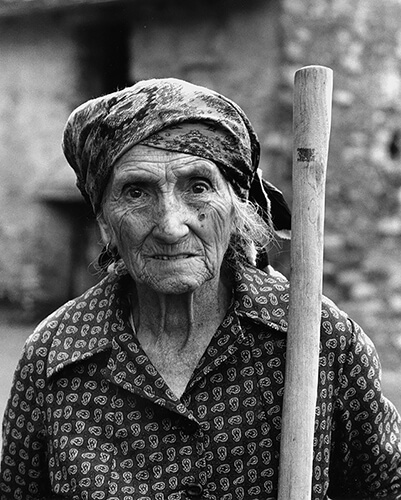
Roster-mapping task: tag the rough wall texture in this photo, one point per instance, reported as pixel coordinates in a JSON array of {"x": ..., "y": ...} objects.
[
  {"x": 361, "y": 42},
  {"x": 38, "y": 89}
]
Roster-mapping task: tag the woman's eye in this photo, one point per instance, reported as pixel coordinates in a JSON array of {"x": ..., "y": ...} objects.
[
  {"x": 200, "y": 187},
  {"x": 134, "y": 192}
]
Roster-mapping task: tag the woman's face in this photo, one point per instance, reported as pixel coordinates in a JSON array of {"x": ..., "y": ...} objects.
[{"x": 170, "y": 215}]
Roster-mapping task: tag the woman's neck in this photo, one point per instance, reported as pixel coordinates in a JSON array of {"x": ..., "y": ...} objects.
[
  {"x": 180, "y": 318},
  {"x": 175, "y": 330}
]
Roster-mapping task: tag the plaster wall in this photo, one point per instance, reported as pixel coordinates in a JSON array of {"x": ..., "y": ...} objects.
[{"x": 38, "y": 89}]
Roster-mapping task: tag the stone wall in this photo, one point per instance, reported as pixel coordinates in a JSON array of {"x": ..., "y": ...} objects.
[
  {"x": 361, "y": 42},
  {"x": 51, "y": 62},
  {"x": 37, "y": 88}
]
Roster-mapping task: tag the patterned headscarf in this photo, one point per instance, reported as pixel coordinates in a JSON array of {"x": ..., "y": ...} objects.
[{"x": 174, "y": 115}]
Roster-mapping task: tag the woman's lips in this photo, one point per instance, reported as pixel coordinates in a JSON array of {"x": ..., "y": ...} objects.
[{"x": 173, "y": 257}]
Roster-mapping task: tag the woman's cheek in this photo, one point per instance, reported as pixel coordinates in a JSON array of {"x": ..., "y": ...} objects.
[
  {"x": 216, "y": 231},
  {"x": 130, "y": 229},
  {"x": 222, "y": 217}
]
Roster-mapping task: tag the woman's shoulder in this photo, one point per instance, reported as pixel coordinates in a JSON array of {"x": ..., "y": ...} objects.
[
  {"x": 84, "y": 307},
  {"x": 334, "y": 321}
]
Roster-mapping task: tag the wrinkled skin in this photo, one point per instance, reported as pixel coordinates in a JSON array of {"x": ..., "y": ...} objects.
[{"x": 170, "y": 216}]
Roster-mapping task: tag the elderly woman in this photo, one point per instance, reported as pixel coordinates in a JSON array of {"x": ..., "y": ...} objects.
[{"x": 165, "y": 381}]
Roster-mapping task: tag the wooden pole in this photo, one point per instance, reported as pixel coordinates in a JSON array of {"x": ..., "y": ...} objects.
[{"x": 311, "y": 129}]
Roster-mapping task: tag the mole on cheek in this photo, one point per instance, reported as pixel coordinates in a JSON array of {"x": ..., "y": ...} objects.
[{"x": 201, "y": 216}]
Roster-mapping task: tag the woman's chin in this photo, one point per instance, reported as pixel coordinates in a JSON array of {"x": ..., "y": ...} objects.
[
  {"x": 174, "y": 277},
  {"x": 175, "y": 285}
]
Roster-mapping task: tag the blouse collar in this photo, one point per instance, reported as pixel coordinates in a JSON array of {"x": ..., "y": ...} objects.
[{"x": 90, "y": 323}]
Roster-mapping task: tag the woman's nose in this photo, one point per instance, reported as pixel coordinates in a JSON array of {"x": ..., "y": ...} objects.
[{"x": 171, "y": 220}]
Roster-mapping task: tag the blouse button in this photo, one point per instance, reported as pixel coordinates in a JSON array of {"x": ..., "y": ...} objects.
[{"x": 194, "y": 490}]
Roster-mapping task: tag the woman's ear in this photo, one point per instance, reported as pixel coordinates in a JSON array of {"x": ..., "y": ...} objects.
[{"x": 104, "y": 228}]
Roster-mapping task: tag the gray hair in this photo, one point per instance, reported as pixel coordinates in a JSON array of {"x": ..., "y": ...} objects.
[{"x": 251, "y": 234}]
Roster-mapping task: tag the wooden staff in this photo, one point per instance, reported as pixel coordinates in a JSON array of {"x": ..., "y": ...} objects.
[{"x": 311, "y": 128}]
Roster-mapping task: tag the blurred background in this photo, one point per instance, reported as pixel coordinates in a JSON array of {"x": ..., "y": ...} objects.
[{"x": 56, "y": 54}]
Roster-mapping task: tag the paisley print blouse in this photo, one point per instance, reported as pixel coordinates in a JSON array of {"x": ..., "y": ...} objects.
[{"x": 90, "y": 418}]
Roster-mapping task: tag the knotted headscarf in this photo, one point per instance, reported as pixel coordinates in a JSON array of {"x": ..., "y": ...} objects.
[{"x": 178, "y": 116}]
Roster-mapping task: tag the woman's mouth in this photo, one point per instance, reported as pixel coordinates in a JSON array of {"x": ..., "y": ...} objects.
[{"x": 172, "y": 257}]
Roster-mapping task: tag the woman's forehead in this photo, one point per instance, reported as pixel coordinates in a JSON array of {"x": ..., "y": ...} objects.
[{"x": 142, "y": 159}]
